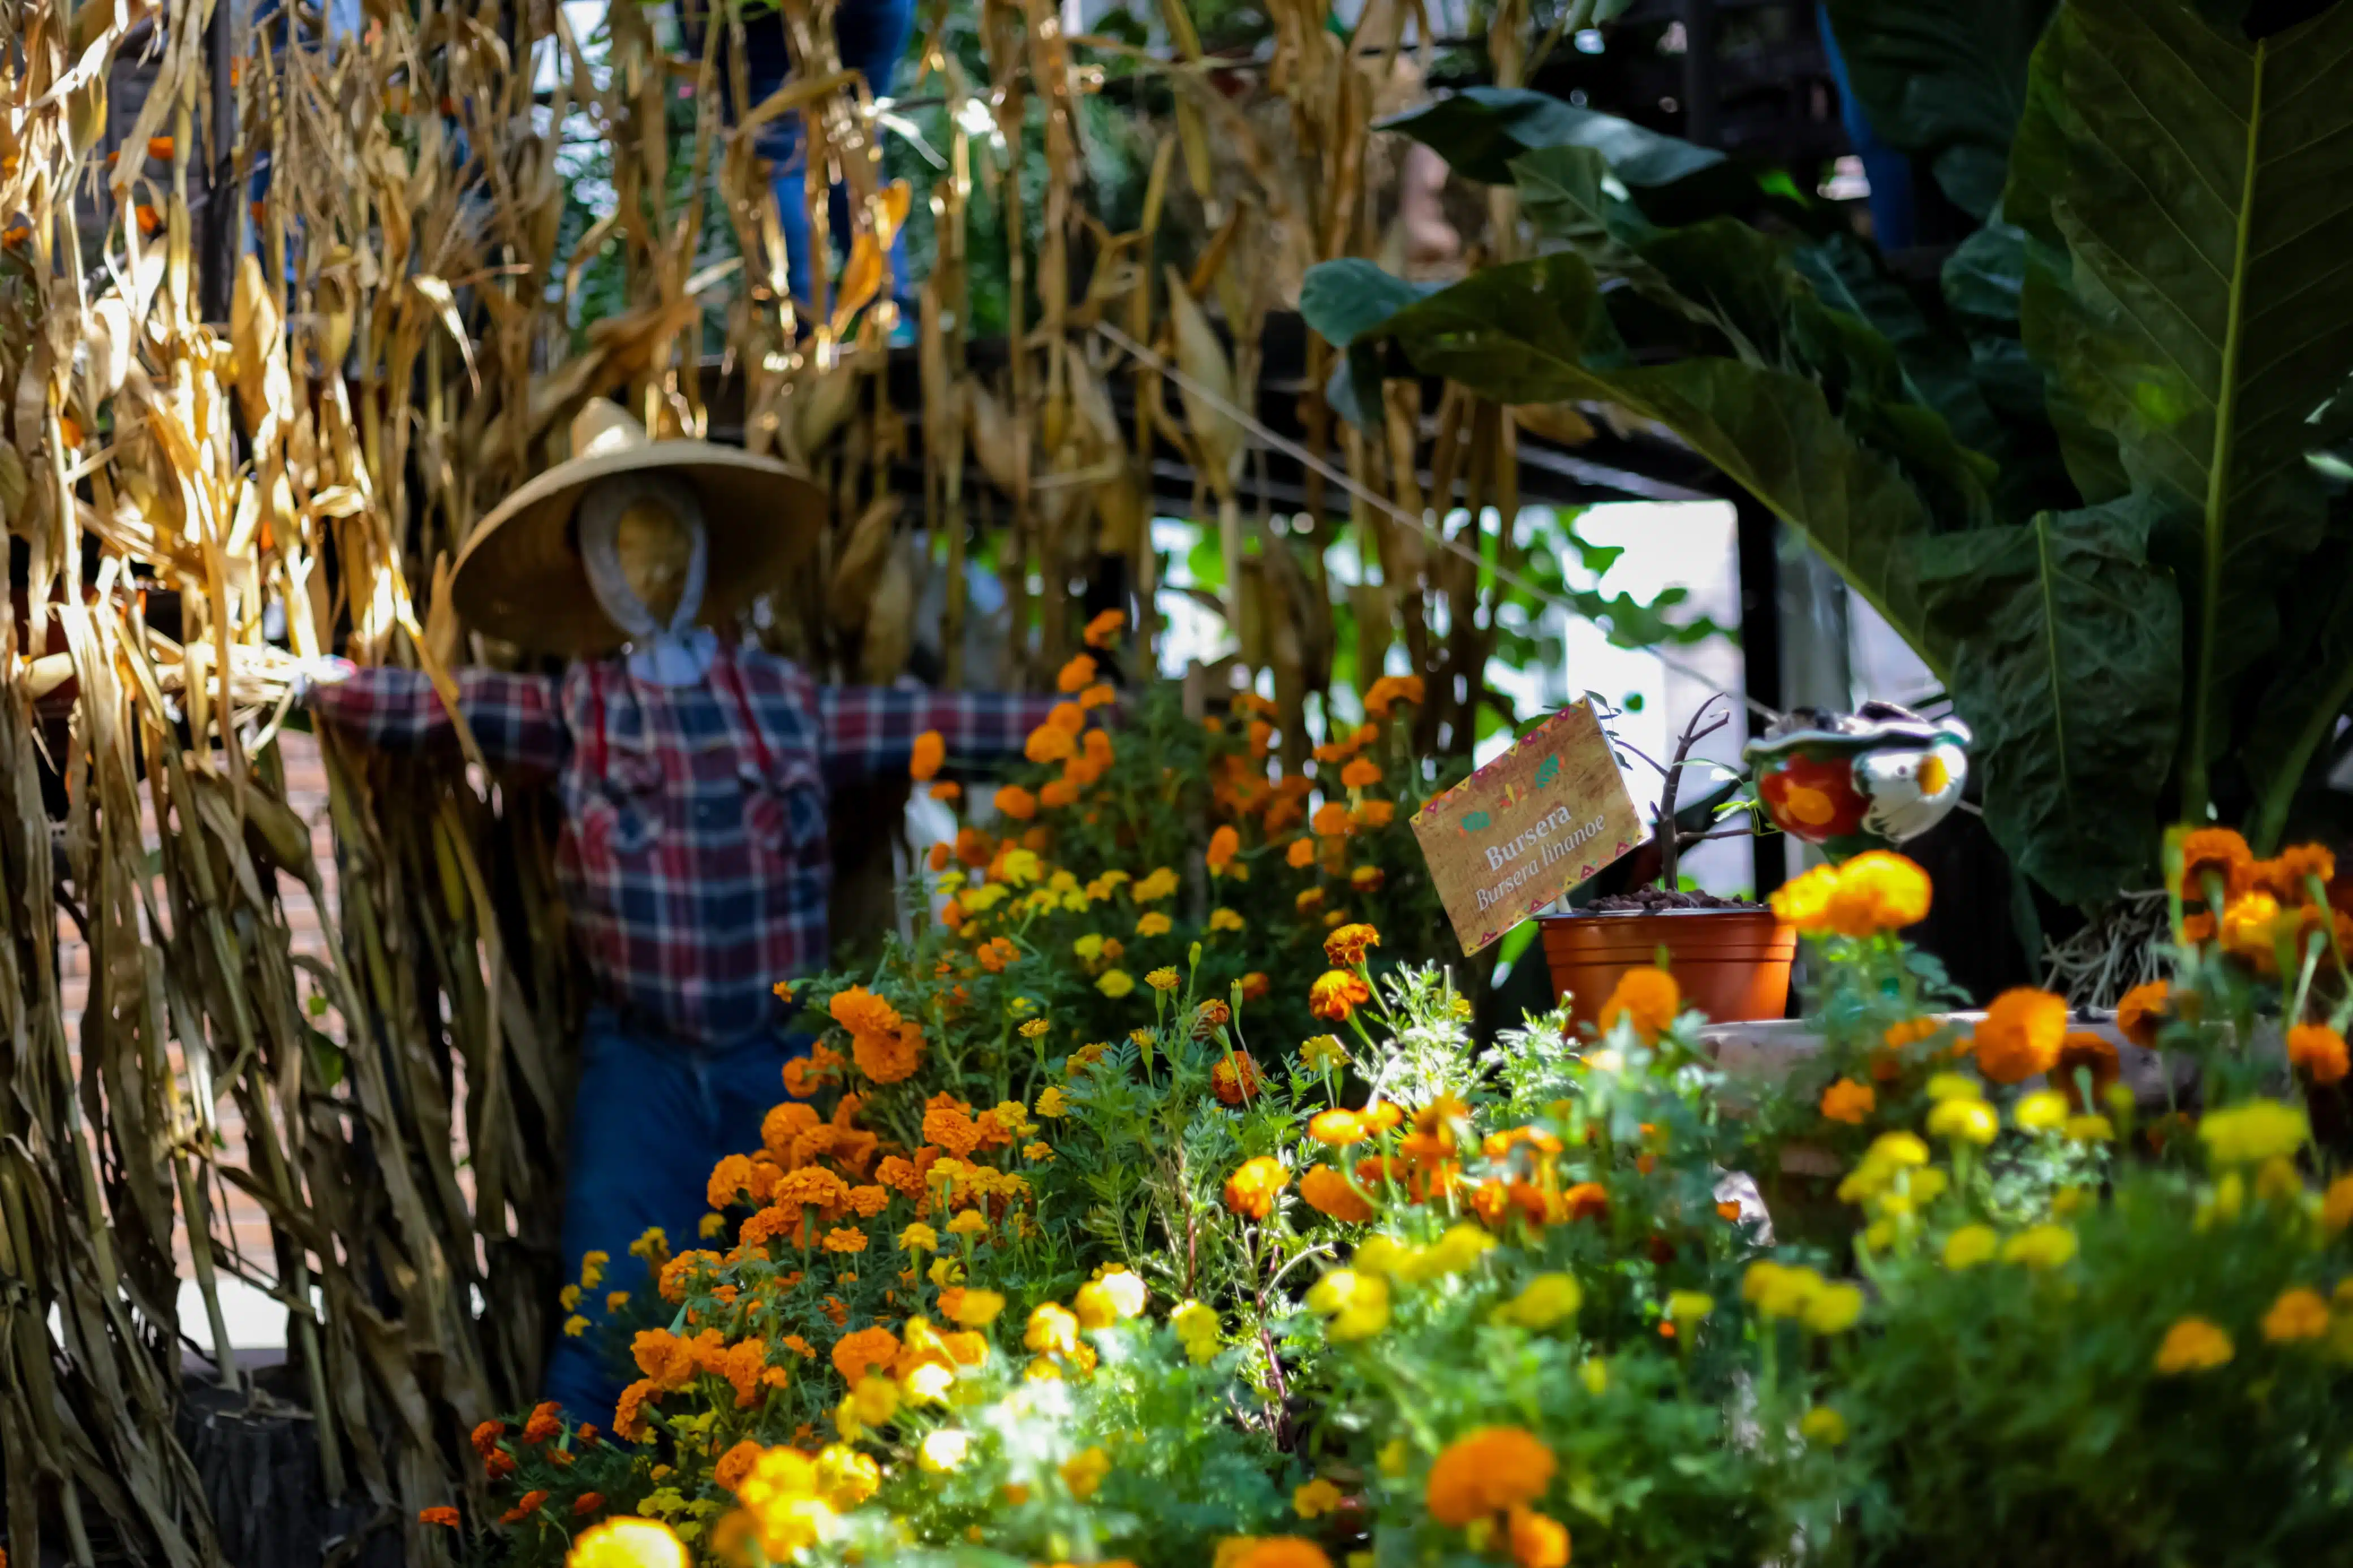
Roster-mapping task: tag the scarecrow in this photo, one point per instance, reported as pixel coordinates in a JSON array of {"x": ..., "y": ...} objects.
[{"x": 693, "y": 776}]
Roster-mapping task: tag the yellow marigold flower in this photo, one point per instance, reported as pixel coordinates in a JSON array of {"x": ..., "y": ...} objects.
[
  {"x": 1125, "y": 1290},
  {"x": 2337, "y": 1205},
  {"x": 1804, "y": 901},
  {"x": 967, "y": 1221},
  {"x": 576, "y": 1325},
  {"x": 1545, "y": 1300},
  {"x": 1115, "y": 983},
  {"x": 710, "y": 1224},
  {"x": 1336, "y": 994},
  {"x": 944, "y": 1449},
  {"x": 592, "y": 1268},
  {"x": 1779, "y": 1289},
  {"x": 1945, "y": 1086},
  {"x": 1345, "y": 947},
  {"x": 1155, "y": 887},
  {"x": 568, "y": 1298},
  {"x": 2258, "y": 1131},
  {"x": 2251, "y": 928},
  {"x": 1089, "y": 947},
  {"x": 1051, "y": 1331},
  {"x": 1970, "y": 1245},
  {"x": 1222, "y": 919},
  {"x": 627, "y": 1543},
  {"x": 1455, "y": 1252},
  {"x": 1824, "y": 1426},
  {"x": 919, "y": 1237},
  {"x": 1646, "y": 997},
  {"x": 1688, "y": 1306},
  {"x": 2042, "y": 1111},
  {"x": 1381, "y": 1255},
  {"x": 1164, "y": 978},
  {"x": 1083, "y": 1471},
  {"x": 1964, "y": 1121},
  {"x": 1356, "y": 1303},
  {"x": 1833, "y": 1309},
  {"x": 1153, "y": 923},
  {"x": 1036, "y": 1030},
  {"x": 1878, "y": 890},
  {"x": 2298, "y": 1314},
  {"x": 978, "y": 1309},
  {"x": 2020, "y": 1034},
  {"x": 1849, "y": 1101},
  {"x": 2090, "y": 1128},
  {"x": 617, "y": 1300},
  {"x": 1251, "y": 1190},
  {"x": 1395, "y": 1456},
  {"x": 1316, "y": 1499},
  {"x": 2040, "y": 1247},
  {"x": 1322, "y": 1053},
  {"x": 2193, "y": 1344},
  {"x": 1487, "y": 1472}
]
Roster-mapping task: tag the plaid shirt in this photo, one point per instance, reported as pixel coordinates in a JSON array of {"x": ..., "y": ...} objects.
[{"x": 693, "y": 852}]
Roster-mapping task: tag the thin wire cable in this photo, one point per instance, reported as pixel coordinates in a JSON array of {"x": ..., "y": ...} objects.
[{"x": 1439, "y": 536}]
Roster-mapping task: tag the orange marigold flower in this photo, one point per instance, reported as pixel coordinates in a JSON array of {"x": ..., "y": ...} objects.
[
  {"x": 998, "y": 954},
  {"x": 1336, "y": 994},
  {"x": 1345, "y": 947},
  {"x": 1068, "y": 716},
  {"x": 1382, "y": 1116},
  {"x": 2020, "y": 1034},
  {"x": 1648, "y": 997},
  {"x": 1049, "y": 743},
  {"x": 892, "y": 1058},
  {"x": 1224, "y": 845},
  {"x": 2214, "y": 852},
  {"x": 854, "y": 1355},
  {"x": 1077, "y": 675},
  {"x": 1017, "y": 803},
  {"x": 843, "y": 1239},
  {"x": 1849, "y": 1101},
  {"x": 861, "y": 1012},
  {"x": 443, "y": 1515},
  {"x": 1331, "y": 819},
  {"x": 1488, "y": 1472},
  {"x": 1390, "y": 690},
  {"x": 2142, "y": 1010},
  {"x": 486, "y": 1437},
  {"x": 1327, "y": 1192},
  {"x": 1376, "y": 814},
  {"x": 1105, "y": 626},
  {"x": 526, "y": 1506},
  {"x": 1301, "y": 853},
  {"x": 1235, "y": 1078},
  {"x": 1266, "y": 1552},
  {"x": 1336, "y": 1128},
  {"x": 931, "y": 752},
  {"x": 1099, "y": 695},
  {"x": 1255, "y": 985},
  {"x": 2318, "y": 1051},
  {"x": 975, "y": 847},
  {"x": 1367, "y": 879},
  {"x": 736, "y": 1463},
  {"x": 2091, "y": 1053},
  {"x": 947, "y": 789},
  {"x": 1585, "y": 1200},
  {"x": 1251, "y": 1190},
  {"x": 547, "y": 1421},
  {"x": 1360, "y": 775},
  {"x": 2289, "y": 874},
  {"x": 586, "y": 1503},
  {"x": 1537, "y": 1539}
]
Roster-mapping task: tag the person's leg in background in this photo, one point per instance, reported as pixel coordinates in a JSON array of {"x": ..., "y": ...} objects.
[
  {"x": 872, "y": 36},
  {"x": 1888, "y": 171}
]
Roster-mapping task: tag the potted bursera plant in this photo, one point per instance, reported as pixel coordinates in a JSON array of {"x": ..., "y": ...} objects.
[{"x": 1730, "y": 956}]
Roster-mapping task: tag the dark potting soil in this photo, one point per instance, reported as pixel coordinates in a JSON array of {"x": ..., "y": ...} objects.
[{"x": 1653, "y": 899}]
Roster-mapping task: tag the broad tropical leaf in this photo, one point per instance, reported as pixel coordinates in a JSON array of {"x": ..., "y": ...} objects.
[
  {"x": 1944, "y": 80},
  {"x": 1481, "y": 129},
  {"x": 2072, "y": 679},
  {"x": 1537, "y": 332},
  {"x": 2202, "y": 187}
]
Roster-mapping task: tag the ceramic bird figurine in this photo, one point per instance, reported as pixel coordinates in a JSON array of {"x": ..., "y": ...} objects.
[{"x": 1866, "y": 780}]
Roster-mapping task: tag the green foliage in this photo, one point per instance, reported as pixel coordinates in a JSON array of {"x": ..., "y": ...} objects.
[{"x": 2104, "y": 437}]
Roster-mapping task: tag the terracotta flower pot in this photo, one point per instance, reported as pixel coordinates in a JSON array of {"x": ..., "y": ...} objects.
[{"x": 1732, "y": 965}]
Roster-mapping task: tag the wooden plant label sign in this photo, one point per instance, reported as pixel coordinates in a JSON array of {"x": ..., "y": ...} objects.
[{"x": 1528, "y": 826}]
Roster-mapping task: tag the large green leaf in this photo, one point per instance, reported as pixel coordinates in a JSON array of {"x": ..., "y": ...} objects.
[
  {"x": 2299, "y": 715},
  {"x": 1481, "y": 129},
  {"x": 2072, "y": 679},
  {"x": 2202, "y": 187},
  {"x": 1538, "y": 332},
  {"x": 1943, "y": 80}
]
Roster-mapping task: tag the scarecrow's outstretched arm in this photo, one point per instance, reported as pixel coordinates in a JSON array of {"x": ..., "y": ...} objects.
[
  {"x": 514, "y": 717},
  {"x": 871, "y": 730}
]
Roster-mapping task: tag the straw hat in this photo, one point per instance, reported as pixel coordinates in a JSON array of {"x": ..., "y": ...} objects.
[{"x": 520, "y": 578}]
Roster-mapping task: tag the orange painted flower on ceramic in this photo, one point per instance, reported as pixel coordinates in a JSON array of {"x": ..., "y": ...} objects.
[
  {"x": 2317, "y": 1051},
  {"x": 2020, "y": 1034},
  {"x": 1251, "y": 1190},
  {"x": 1327, "y": 1192},
  {"x": 931, "y": 751},
  {"x": 1336, "y": 994},
  {"x": 1488, "y": 1472},
  {"x": 1647, "y": 997},
  {"x": 1345, "y": 947}
]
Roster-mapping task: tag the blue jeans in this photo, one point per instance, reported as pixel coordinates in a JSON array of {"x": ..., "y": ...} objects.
[
  {"x": 872, "y": 36},
  {"x": 651, "y": 1119}
]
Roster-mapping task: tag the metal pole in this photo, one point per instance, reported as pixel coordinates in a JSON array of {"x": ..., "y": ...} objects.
[
  {"x": 1758, "y": 534},
  {"x": 217, "y": 262}
]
